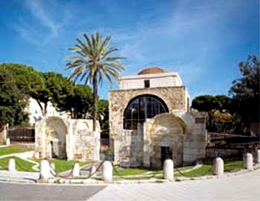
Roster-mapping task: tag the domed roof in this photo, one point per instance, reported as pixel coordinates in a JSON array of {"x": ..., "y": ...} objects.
[{"x": 152, "y": 70}]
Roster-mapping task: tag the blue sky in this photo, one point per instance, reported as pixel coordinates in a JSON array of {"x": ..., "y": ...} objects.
[{"x": 202, "y": 40}]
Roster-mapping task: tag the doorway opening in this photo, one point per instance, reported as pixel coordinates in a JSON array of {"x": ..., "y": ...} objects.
[
  {"x": 54, "y": 149},
  {"x": 166, "y": 153}
]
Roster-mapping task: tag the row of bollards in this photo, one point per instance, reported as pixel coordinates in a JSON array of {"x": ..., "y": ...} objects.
[{"x": 48, "y": 170}]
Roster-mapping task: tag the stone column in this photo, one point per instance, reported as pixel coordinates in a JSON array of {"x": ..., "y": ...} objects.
[
  {"x": 69, "y": 140},
  {"x": 4, "y": 138},
  {"x": 45, "y": 173},
  {"x": 146, "y": 145},
  {"x": 96, "y": 136},
  {"x": 258, "y": 156},
  {"x": 168, "y": 169},
  {"x": 11, "y": 165},
  {"x": 43, "y": 145},
  {"x": 248, "y": 161},
  {"x": 107, "y": 171},
  {"x": 75, "y": 170},
  {"x": 218, "y": 168},
  {"x": 7, "y": 141},
  {"x": 116, "y": 149}
]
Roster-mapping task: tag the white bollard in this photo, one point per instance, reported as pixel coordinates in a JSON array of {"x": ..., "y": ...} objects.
[
  {"x": 248, "y": 161},
  {"x": 75, "y": 170},
  {"x": 218, "y": 168},
  {"x": 258, "y": 156},
  {"x": 45, "y": 173},
  {"x": 168, "y": 169},
  {"x": 11, "y": 165},
  {"x": 107, "y": 171},
  {"x": 7, "y": 141}
]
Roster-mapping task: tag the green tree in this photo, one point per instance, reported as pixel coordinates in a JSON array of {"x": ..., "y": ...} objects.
[
  {"x": 28, "y": 80},
  {"x": 12, "y": 101},
  {"x": 245, "y": 90},
  {"x": 57, "y": 89},
  {"x": 81, "y": 101},
  {"x": 211, "y": 104},
  {"x": 103, "y": 115},
  {"x": 93, "y": 62}
]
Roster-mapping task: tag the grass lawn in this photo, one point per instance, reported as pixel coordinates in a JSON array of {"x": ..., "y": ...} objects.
[
  {"x": 230, "y": 164},
  {"x": 128, "y": 171},
  {"x": 21, "y": 165},
  {"x": 62, "y": 165},
  {"x": 11, "y": 150},
  {"x": 201, "y": 171},
  {"x": 234, "y": 165}
]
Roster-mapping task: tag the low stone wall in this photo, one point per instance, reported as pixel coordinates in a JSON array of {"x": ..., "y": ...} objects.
[{"x": 222, "y": 152}]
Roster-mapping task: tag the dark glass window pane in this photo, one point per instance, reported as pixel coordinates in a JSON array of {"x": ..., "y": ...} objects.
[{"x": 141, "y": 108}]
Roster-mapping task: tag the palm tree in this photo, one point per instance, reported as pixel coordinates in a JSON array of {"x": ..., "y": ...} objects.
[{"x": 93, "y": 62}]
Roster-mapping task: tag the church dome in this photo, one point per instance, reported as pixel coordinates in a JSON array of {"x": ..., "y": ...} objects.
[{"x": 152, "y": 70}]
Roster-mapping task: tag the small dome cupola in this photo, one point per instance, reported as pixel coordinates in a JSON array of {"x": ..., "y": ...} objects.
[{"x": 152, "y": 70}]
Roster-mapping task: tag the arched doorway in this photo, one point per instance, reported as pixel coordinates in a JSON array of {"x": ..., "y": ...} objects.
[
  {"x": 55, "y": 138},
  {"x": 141, "y": 108},
  {"x": 165, "y": 135}
]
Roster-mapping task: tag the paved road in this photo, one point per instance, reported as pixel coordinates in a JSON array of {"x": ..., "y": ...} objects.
[
  {"x": 28, "y": 192},
  {"x": 241, "y": 187},
  {"x": 244, "y": 187}
]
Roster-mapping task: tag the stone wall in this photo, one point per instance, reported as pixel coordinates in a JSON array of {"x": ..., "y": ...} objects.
[
  {"x": 86, "y": 143},
  {"x": 3, "y": 135},
  {"x": 218, "y": 152},
  {"x": 66, "y": 139},
  {"x": 195, "y": 141},
  {"x": 174, "y": 97},
  {"x": 183, "y": 132},
  {"x": 165, "y": 130},
  {"x": 156, "y": 80}
]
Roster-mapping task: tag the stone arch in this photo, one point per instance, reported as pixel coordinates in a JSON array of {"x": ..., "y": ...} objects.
[
  {"x": 52, "y": 132},
  {"x": 143, "y": 107},
  {"x": 165, "y": 134}
]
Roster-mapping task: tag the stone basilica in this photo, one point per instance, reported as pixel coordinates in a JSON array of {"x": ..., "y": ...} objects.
[{"x": 150, "y": 121}]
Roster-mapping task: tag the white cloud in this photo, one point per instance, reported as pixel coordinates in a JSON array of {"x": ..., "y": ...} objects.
[{"x": 40, "y": 29}]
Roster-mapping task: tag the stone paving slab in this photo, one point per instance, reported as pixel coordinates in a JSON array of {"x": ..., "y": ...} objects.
[
  {"x": 19, "y": 176},
  {"x": 28, "y": 192},
  {"x": 239, "y": 187}
]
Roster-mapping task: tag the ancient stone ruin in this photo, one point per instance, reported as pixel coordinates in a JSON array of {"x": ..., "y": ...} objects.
[
  {"x": 150, "y": 121},
  {"x": 65, "y": 138}
]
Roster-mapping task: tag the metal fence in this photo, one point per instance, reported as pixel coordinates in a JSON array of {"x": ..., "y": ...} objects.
[{"x": 22, "y": 135}]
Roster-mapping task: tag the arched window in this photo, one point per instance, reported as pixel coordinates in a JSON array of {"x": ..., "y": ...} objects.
[{"x": 141, "y": 108}]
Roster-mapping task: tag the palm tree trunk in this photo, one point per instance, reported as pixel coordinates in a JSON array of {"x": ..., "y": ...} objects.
[{"x": 95, "y": 97}]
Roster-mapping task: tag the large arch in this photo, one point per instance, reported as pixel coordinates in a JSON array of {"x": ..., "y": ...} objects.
[
  {"x": 52, "y": 133},
  {"x": 165, "y": 134},
  {"x": 142, "y": 107}
]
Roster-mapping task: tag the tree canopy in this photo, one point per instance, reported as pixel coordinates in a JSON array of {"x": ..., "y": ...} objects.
[
  {"x": 81, "y": 101},
  {"x": 93, "y": 62},
  {"x": 245, "y": 90},
  {"x": 11, "y": 100},
  {"x": 103, "y": 115},
  {"x": 28, "y": 80},
  {"x": 57, "y": 89}
]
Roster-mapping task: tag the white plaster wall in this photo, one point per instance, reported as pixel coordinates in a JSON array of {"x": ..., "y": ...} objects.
[
  {"x": 156, "y": 80},
  {"x": 35, "y": 113}
]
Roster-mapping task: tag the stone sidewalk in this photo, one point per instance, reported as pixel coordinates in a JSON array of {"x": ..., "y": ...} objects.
[
  {"x": 239, "y": 187},
  {"x": 20, "y": 177}
]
